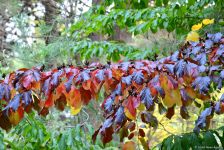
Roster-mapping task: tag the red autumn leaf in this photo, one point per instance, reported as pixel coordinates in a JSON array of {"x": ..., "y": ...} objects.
[
  {"x": 49, "y": 101},
  {"x": 131, "y": 136},
  {"x": 130, "y": 107},
  {"x": 141, "y": 132},
  {"x": 107, "y": 131},
  {"x": 86, "y": 96},
  {"x": 44, "y": 112},
  {"x": 61, "y": 102},
  {"x": 28, "y": 108}
]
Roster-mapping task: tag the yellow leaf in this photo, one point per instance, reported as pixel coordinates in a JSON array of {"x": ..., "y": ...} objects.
[
  {"x": 75, "y": 111},
  {"x": 141, "y": 107},
  {"x": 172, "y": 97},
  {"x": 16, "y": 116},
  {"x": 128, "y": 114},
  {"x": 193, "y": 36},
  {"x": 61, "y": 28},
  {"x": 208, "y": 21},
  {"x": 196, "y": 27}
]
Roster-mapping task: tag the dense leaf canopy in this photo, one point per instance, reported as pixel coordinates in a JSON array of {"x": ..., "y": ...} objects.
[{"x": 173, "y": 81}]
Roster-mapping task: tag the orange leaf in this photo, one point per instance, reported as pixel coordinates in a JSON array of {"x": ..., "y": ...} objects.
[
  {"x": 130, "y": 145},
  {"x": 75, "y": 101},
  {"x": 17, "y": 116},
  {"x": 86, "y": 85},
  {"x": 117, "y": 73}
]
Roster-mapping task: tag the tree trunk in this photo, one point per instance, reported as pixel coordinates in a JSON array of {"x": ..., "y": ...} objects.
[
  {"x": 51, "y": 12},
  {"x": 4, "y": 46}
]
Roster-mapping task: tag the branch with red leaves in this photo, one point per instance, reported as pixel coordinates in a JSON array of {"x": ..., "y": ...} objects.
[{"x": 130, "y": 86}]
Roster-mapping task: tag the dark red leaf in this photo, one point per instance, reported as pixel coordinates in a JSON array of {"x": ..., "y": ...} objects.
[
  {"x": 184, "y": 113},
  {"x": 5, "y": 123},
  {"x": 141, "y": 132},
  {"x": 95, "y": 135},
  {"x": 86, "y": 96},
  {"x": 44, "y": 112},
  {"x": 61, "y": 102},
  {"x": 131, "y": 136},
  {"x": 27, "y": 81},
  {"x": 107, "y": 131},
  {"x": 131, "y": 126},
  {"x": 170, "y": 112}
]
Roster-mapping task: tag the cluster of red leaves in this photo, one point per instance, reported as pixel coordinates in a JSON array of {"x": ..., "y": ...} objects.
[{"x": 175, "y": 80}]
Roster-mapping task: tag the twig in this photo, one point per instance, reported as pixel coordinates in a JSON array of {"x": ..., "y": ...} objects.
[
  {"x": 87, "y": 115},
  {"x": 165, "y": 129},
  {"x": 27, "y": 120}
]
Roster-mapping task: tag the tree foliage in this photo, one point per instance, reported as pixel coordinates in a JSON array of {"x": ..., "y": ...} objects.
[
  {"x": 133, "y": 88},
  {"x": 139, "y": 18},
  {"x": 210, "y": 139}
]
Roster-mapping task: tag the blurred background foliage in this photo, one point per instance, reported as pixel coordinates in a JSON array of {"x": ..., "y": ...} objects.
[{"x": 58, "y": 32}]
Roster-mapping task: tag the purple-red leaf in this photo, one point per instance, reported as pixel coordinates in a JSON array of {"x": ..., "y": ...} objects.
[
  {"x": 146, "y": 98},
  {"x": 202, "y": 84},
  {"x": 138, "y": 77},
  {"x": 120, "y": 116}
]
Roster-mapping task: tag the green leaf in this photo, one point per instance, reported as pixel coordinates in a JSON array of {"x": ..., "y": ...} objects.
[
  {"x": 165, "y": 2},
  {"x": 158, "y": 2}
]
